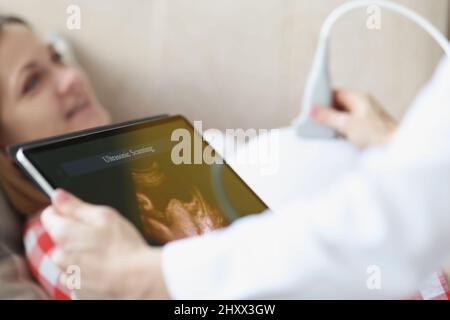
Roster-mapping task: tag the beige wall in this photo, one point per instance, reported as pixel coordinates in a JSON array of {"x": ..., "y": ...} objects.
[
  {"x": 240, "y": 63},
  {"x": 448, "y": 21}
]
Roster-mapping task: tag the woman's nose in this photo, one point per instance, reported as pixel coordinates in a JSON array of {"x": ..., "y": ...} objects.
[{"x": 68, "y": 80}]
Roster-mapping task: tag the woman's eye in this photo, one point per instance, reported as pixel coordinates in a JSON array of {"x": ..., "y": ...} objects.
[
  {"x": 31, "y": 83},
  {"x": 57, "y": 57}
]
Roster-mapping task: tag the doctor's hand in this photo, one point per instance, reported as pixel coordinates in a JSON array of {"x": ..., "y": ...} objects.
[
  {"x": 114, "y": 260},
  {"x": 358, "y": 117}
]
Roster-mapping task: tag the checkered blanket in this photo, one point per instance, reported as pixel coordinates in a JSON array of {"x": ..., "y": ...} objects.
[
  {"x": 38, "y": 248},
  {"x": 39, "y": 245}
]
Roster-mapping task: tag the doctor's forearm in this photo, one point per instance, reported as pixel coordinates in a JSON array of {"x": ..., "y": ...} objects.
[{"x": 326, "y": 247}]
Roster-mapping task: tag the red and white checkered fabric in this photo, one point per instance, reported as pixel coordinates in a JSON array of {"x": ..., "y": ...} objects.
[
  {"x": 435, "y": 288},
  {"x": 38, "y": 247}
]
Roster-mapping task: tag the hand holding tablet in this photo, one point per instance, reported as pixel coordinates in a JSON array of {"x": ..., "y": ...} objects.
[{"x": 130, "y": 167}]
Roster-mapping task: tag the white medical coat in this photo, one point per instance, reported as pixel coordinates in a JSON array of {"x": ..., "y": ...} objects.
[{"x": 376, "y": 232}]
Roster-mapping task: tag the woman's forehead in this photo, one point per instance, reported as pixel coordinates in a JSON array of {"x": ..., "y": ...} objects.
[{"x": 18, "y": 47}]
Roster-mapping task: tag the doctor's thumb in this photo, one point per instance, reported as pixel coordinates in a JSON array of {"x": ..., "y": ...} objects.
[
  {"x": 68, "y": 204},
  {"x": 332, "y": 118}
]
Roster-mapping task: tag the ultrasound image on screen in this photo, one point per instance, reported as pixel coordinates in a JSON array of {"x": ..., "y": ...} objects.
[{"x": 132, "y": 170}]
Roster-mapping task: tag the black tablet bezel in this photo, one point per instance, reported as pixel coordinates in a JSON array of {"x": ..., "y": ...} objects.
[
  {"x": 14, "y": 148},
  {"x": 109, "y": 131}
]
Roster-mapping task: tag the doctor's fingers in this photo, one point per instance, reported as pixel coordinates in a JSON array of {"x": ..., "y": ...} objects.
[
  {"x": 70, "y": 206},
  {"x": 85, "y": 277},
  {"x": 62, "y": 230},
  {"x": 329, "y": 117},
  {"x": 352, "y": 101},
  {"x": 63, "y": 259}
]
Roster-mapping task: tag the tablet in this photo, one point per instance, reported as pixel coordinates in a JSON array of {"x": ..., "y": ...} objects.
[
  {"x": 159, "y": 173},
  {"x": 13, "y": 148}
]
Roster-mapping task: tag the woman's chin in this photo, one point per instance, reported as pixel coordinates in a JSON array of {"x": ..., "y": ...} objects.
[{"x": 89, "y": 119}]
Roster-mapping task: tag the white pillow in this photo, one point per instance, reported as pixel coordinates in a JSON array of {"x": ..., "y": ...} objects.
[{"x": 62, "y": 46}]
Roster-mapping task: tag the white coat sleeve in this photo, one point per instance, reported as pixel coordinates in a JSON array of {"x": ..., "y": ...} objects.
[{"x": 391, "y": 216}]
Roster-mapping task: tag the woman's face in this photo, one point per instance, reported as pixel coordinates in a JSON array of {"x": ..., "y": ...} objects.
[{"x": 40, "y": 95}]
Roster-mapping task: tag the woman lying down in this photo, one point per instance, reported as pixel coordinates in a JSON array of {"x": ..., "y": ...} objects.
[{"x": 43, "y": 96}]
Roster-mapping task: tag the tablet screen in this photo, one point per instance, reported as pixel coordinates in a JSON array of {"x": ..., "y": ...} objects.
[{"x": 159, "y": 174}]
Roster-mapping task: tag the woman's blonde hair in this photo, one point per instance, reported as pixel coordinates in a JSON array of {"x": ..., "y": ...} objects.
[{"x": 22, "y": 195}]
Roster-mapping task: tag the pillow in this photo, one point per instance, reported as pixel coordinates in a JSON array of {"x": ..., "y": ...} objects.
[
  {"x": 15, "y": 279},
  {"x": 10, "y": 235},
  {"x": 62, "y": 46}
]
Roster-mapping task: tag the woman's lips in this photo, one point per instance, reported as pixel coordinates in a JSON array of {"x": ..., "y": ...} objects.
[{"x": 81, "y": 106}]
